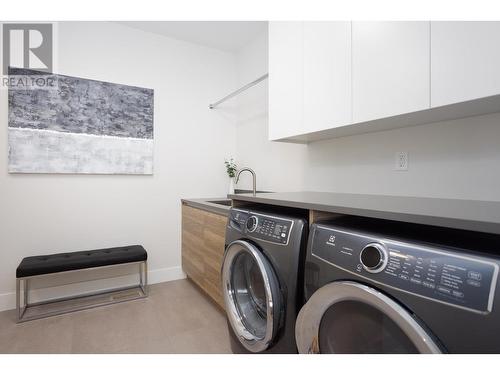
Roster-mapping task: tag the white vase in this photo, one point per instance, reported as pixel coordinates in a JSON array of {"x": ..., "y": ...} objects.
[{"x": 231, "y": 185}]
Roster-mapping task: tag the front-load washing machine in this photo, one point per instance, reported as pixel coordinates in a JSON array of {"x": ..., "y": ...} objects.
[
  {"x": 262, "y": 280},
  {"x": 385, "y": 287}
]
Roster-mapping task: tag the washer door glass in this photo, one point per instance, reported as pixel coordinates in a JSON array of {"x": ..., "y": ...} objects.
[
  {"x": 251, "y": 294},
  {"x": 356, "y": 327},
  {"x": 348, "y": 317}
]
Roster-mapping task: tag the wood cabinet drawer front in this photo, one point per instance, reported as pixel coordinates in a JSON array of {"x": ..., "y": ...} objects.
[{"x": 203, "y": 249}]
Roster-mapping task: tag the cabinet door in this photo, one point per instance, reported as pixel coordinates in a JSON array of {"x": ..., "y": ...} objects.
[
  {"x": 327, "y": 75},
  {"x": 391, "y": 63},
  {"x": 465, "y": 61},
  {"x": 285, "y": 79},
  {"x": 203, "y": 249}
]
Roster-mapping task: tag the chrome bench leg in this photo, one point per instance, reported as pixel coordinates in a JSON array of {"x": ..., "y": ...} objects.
[
  {"x": 20, "y": 310},
  {"x": 26, "y": 293},
  {"x": 141, "y": 265},
  {"x": 143, "y": 276},
  {"x": 18, "y": 300}
]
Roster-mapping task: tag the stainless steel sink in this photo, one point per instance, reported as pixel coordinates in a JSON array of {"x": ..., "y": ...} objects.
[{"x": 227, "y": 202}]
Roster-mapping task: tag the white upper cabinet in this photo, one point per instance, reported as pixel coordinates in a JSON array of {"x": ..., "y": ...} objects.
[
  {"x": 465, "y": 61},
  {"x": 286, "y": 86},
  {"x": 309, "y": 77},
  {"x": 390, "y": 68},
  {"x": 327, "y": 75},
  {"x": 335, "y": 79}
]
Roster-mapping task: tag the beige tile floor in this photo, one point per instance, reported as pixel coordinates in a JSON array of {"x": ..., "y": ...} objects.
[{"x": 176, "y": 318}]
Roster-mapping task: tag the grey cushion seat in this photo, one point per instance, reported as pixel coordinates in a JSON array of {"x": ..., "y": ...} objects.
[{"x": 44, "y": 264}]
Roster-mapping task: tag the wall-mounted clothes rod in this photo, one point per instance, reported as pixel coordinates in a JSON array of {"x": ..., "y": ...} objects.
[{"x": 244, "y": 88}]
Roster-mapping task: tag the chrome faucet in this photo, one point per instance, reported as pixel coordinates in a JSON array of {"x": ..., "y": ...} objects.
[{"x": 254, "y": 190}]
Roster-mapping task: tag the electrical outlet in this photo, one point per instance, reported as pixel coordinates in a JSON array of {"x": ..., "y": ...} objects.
[{"x": 401, "y": 161}]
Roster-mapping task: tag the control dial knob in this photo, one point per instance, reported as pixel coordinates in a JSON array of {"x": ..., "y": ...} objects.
[
  {"x": 252, "y": 222},
  {"x": 373, "y": 257}
]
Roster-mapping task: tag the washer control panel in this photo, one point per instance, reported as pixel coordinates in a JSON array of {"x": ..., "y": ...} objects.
[
  {"x": 260, "y": 226},
  {"x": 450, "y": 277}
]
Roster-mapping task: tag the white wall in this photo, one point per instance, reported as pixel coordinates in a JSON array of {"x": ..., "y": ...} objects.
[
  {"x": 279, "y": 166},
  {"x": 455, "y": 159},
  {"x": 52, "y": 213}
]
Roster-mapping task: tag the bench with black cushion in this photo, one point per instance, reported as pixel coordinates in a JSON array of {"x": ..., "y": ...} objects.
[{"x": 41, "y": 265}]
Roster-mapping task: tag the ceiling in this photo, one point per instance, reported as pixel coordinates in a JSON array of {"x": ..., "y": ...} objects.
[{"x": 225, "y": 35}]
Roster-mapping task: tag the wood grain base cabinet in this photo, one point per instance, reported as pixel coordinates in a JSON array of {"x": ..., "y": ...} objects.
[{"x": 203, "y": 249}]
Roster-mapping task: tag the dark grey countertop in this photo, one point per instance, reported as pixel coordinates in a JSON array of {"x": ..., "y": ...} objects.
[
  {"x": 483, "y": 216},
  {"x": 207, "y": 205}
]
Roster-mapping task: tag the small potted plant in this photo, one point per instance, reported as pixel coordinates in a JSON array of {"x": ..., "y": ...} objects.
[{"x": 231, "y": 172}]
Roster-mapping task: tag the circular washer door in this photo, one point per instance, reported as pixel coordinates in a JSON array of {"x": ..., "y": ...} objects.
[
  {"x": 348, "y": 317},
  {"x": 251, "y": 295}
]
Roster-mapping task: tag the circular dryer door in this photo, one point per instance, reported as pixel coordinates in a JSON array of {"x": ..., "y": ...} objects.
[
  {"x": 251, "y": 295},
  {"x": 348, "y": 317}
]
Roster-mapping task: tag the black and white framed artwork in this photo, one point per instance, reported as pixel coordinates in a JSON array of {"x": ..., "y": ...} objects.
[{"x": 82, "y": 126}]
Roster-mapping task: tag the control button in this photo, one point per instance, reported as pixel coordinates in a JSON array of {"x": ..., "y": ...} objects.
[
  {"x": 373, "y": 257},
  {"x": 474, "y": 275},
  {"x": 443, "y": 290},
  {"x": 474, "y": 283},
  {"x": 283, "y": 235},
  {"x": 252, "y": 222},
  {"x": 458, "y": 294},
  {"x": 428, "y": 285},
  {"x": 416, "y": 281},
  {"x": 404, "y": 277}
]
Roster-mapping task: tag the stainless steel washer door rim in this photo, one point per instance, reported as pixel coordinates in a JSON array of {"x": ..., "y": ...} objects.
[
  {"x": 250, "y": 340},
  {"x": 309, "y": 318}
]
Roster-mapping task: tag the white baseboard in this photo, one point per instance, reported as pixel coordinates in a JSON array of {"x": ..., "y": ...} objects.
[
  {"x": 8, "y": 300},
  {"x": 165, "y": 274}
]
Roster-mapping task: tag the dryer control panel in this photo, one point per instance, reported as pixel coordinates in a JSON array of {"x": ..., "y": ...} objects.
[
  {"x": 261, "y": 226},
  {"x": 442, "y": 275}
]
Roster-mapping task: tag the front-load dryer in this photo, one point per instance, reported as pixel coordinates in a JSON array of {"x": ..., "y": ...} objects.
[
  {"x": 262, "y": 280},
  {"x": 384, "y": 287}
]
